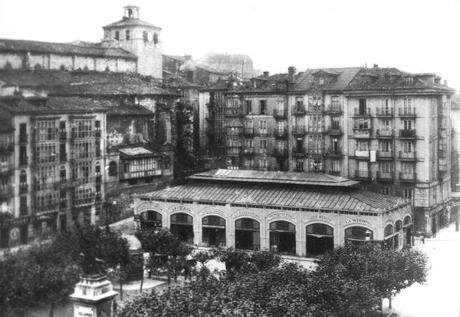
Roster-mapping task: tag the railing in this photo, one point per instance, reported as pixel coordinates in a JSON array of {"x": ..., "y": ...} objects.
[
  {"x": 384, "y": 112},
  {"x": 407, "y": 133},
  {"x": 385, "y": 175},
  {"x": 362, "y": 174},
  {"x": 334, "y": 131},
  {"x": 334, "y": 109},
  {"x": 49, "y": 207},
  {"x": 442, "y": 165},
  {"x": 280, "y": 152},
  {"x": 385, "y": 133},
  {"x": 362, "y": 153},
  {"x": 233, "y": 131},
  {"x": 83, "y": 201},
  {"x": 233, "y": 150},
  {"x": 366, "y": 113},
  {"x": 362, "y": 133},
  {"x": 248, "y": 150},
  {"x": 23, "y": 138},
  {"x": 404, "y": 176},
  {"x": 23, "y": 188},
  {"x": 6, "y": 147},
  {"x": 261, "y": 132},
  {"x": 407, "y": 155},
  {"x": 262, "y": 151},
  {"x": 407, "y": 112},
  {"x": 280, "y": 113},
  {"x": 299, "y": 110},
  {"x": 316, "y": 129},
  {"x": 234, "y": 112},
  {"x": 141, "y": 174},
  {"x": 298, "y": 130},
  {"x": 298, "y": 151},
  {"x": 315, "y": 151},
  {"x": 315, "y": 108},
  {"x": 385, "y": 154},
  {"x": 334, "y": 152},
  {"x": 23, "y": 160},
  {"x": 280, "y": 132},
  {"x": 248, "y": 131}
]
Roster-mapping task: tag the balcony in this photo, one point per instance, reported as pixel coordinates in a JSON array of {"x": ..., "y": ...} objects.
[
  {"x": 337, "y": 152},
  {"x": 23, "y": 161},
  {"x": 281, "y": 133},
  {"x": 233, "y": 150},
  {"x": 384, "y": 133},
  {"x": 362, "y": 175},
  {"x": 334, "y": 131},
  {"x": 47, "y": 208},
  {"x": 298, "y": 130},
  {"x": 407, "y": 134},
  {"x": 384, "y": 112},
  {"x": 234, "y": 112},
  {"x": 261, "y": 132},
  {"x": 23, "y": 138},
  {"x": 385, "y": 155},
  {"x": 79, "y": 202},
  {"x": 261, "y": 151},
  {"x": 362, "y": 154},
  {"x": 407, "y": 156},
  {"x": 141, "y": 174},
  {"x": 299, "y": 110},
  {"x": 280, "y": 152},
  {"x": 6, "y": 148},
  {"x": 407, "y": 177},
  {"x": 334, "y": 109},
  {"x": 248, "y": 131},
  {"x": 362, "y": 114},
  {"x": 362, "y": 133},
  {"x": 298, "y": 151},
  {"x": 385, "y": 176},
  {"x": 248, "y": 151},
  {"x": 407, "y": 112},
  {"x": 316, "y": 129},
  {"x": 280, "y": 114},
  {"x": 6, "y": 192},
  {"x": 23, "y": 188},
  {"x": 315, "y": 109}
]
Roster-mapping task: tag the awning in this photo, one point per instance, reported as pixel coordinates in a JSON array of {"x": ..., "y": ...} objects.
[{"x": 137, "y": 152}]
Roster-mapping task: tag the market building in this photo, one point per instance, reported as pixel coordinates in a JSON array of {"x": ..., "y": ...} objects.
[{"x": 303, "y": 214}]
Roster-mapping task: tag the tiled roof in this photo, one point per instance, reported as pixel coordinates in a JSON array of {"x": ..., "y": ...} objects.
[
  {"x": 281, "y": 196},
  {"x": 130, "y": 22},
  {"x": 377, "y": 78},
  {"x": 62, "y": 48},
  {"x": 307, "y": 178},
  {"x": 340, "y": 78},
  {"x": 84, "y": 83}
]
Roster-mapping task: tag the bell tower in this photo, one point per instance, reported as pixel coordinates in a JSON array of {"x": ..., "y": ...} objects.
[{"x": 138, "y": 37}]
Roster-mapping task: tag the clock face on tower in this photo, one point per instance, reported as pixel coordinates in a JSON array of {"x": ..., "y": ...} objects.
[{"x": 14, "y": 234}]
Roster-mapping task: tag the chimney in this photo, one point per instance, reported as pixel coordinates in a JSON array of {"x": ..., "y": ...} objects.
[
  {"x": 376, "y": 66},
  {"x": 266, "y": 74},
  {"x": 291, "y": 73},
  {"x": 437, "y": 80}
]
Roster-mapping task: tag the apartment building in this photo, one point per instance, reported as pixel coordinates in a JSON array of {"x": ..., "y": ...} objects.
[{"x": 384, "y": 127}]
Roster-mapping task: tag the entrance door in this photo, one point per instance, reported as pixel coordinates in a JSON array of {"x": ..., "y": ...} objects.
[
  {"x": 320, "y": 239},
  {"x": 182, "y": 227},
  {"x": 247, "y": 234},
  {"x": 282, "y": 237}
]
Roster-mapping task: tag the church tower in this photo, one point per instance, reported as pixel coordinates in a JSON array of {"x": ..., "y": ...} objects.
[{"x": 138, "y": 37}]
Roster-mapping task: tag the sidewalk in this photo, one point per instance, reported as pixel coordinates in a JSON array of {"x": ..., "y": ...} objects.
[{"x": 440, "y": 295}]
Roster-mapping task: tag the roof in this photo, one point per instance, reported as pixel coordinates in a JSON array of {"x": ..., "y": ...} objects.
[
  {"x": 377, "y": 78},
  {"x": 63, "y": 48},
  {"x": 84, "y": 83},
  {"x": 130, "y": 22},
  {"x": 339, "y": 78},
  {"x": 137, "y": 151},
  {"x": 281, "y": 196},
  {"x": 306, "y": 178}
]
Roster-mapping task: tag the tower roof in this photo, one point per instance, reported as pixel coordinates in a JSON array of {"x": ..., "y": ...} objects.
[{"x": 130, "y": 18}]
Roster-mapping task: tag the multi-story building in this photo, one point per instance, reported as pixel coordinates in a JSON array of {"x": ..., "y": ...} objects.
[{"x": 384, "y": 127}]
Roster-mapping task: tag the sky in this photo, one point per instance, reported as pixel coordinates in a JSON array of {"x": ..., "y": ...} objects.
[{"x": 412, "y": 35}]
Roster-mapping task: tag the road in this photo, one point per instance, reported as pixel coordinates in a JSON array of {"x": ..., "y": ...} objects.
[{"x": 440, "y": 295}]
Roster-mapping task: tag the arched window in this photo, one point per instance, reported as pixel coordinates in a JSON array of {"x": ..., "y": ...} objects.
[
  {"x": 391, "y": 240},
  {"x": 151, "y": 219},
  {"x": 398, "y": 225},
  {"x": 182, "y": 226},
  {"x": 357, "y": 234},
  {"x": 320, "y": 239},
  {"x": 388, "y": 230},
  {"x": 407, "y": 221},
  {"x": 214, "y": 234},
  {"x": 113, "y": 168},
  {"x": 145, "y": 36},
  {"x": 282, "y": 237},
  {"x": 117, "y": 35},
  {"x": 247, "y": 234}
]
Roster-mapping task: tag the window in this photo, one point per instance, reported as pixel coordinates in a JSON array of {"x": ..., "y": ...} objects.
[
  {"x": 407, "y": 124},
  {"x": 117, "y": 35},
  {"x": 335, "y": 165},
  {"x": 263, "y": 106},
  {"x": 62, "y": 152},
  {"x": 335, "y": 101},
  {"x": 248, "y": 106},
  {"x": 62, "y": 173},
  {"x": 113, "y": 169},
  {"x": 363, "y": 166},
  {"x": 23, "y": 205},
  {"x": 335, "y": 122},
  {"x": 386, "y": 167},
  {"x": 362, "y": 107},
  {"x": 299, "y": 165},
  {"x": 263, "y": 126},
  {"x": 362, "y": 146},
  {"x": 408, "y": 193},
  {"x": 385, "y": 146},
  {"x": 145, "y": 36},
  {"x": 407, "y": 147},
  {"x": 263, "y": 145},
  {"x": 155, "y": 38},
  {"x": 385, "y": 190},
  {"x": 127, "y": 36}
]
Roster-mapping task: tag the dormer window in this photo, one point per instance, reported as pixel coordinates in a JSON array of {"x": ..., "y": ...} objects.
[
  {"x": 117, "y": 35},
  {"x": 127, "y": 36}
]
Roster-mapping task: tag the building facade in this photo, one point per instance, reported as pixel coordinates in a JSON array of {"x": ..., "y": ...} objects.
[
  {"x": 384, "y": 127},
  {"x": 275, "y": 211}
]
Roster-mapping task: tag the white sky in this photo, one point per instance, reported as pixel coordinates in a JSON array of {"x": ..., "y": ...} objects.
[{"x": 412, "y": 35}]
